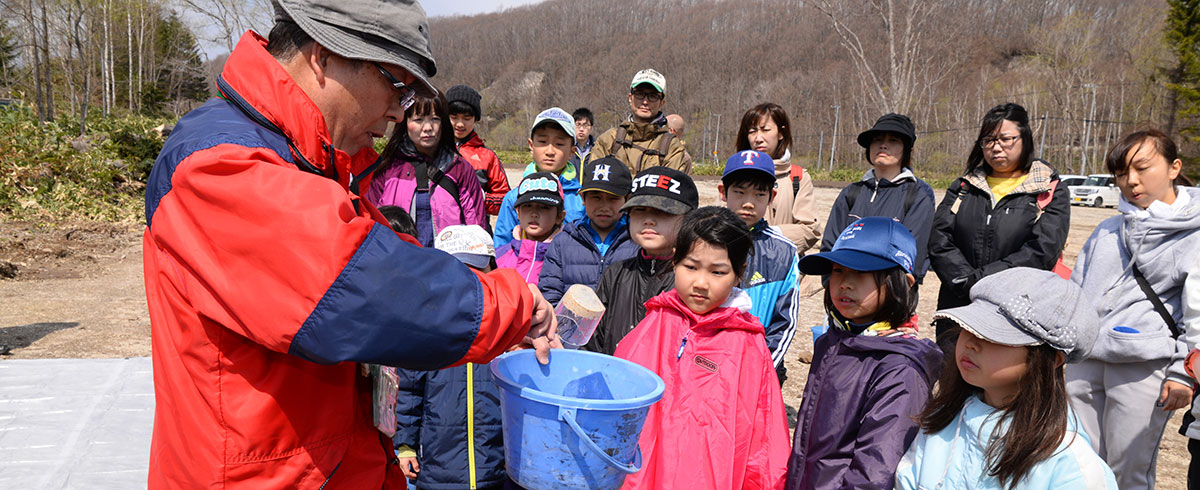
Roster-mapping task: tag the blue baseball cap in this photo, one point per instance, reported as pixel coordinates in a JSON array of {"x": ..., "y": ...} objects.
[
  {"x": 556, "y": 116},
  {"x": 870, "y": 244},
  {"x": 749, "y": 160}
]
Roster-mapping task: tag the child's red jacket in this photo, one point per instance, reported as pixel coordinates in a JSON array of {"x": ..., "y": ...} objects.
[
  {"x": 486, "y": 164},
  {"x": 720, "y": 423}
]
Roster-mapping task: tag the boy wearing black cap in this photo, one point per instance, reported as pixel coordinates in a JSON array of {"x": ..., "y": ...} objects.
[
  {"x": 747, "y": 188},
  {"x": 660, "y": 198},
  {"x": 600, "y": 239},
  {"x": 889, "y": 188},
  {"x": 539, "y": 206},
  {"x": 465, "y": 111}
]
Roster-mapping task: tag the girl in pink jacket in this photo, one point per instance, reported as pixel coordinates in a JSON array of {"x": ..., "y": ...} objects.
[{"x": 720, "y": 423}]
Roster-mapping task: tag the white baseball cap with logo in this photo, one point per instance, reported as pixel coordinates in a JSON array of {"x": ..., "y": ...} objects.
[
  {"x": 470, "y": 244},
  {"x": 652, "y": 77}
]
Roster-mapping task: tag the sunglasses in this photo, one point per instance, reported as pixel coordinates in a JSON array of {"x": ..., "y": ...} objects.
[{"x": 407, "y": 94}]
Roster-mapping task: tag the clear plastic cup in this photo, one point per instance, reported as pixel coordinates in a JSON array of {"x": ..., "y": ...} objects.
[{"x": 578, "y": 312}]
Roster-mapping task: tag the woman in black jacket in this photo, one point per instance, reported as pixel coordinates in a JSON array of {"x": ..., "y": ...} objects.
[{"x": 1007, "y": 210}]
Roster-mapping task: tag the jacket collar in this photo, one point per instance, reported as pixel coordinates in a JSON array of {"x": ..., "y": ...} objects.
[
  {"x": 905, "y": 174},
  {"x": 1037, "y": 180},
  {"x": 257, "y": 79},
  {"x": 473, "y": 141},
  {"x": 783, "y": 166},
  {"x": 638, "y": 131},
  {"x": 733, "y": 314}
]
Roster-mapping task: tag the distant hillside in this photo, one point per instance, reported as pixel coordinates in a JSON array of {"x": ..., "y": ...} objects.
[{"x": 722, "y": 57}]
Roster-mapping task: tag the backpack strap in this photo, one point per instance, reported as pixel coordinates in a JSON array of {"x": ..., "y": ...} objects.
[
  {"x": 619, "y": 141},
  {"x": 910, "y": 197},
  {"x": 1044, "y": 198},
  {"x": 661, "y": 152},
  {"x": 664, "y": 147},
  {"x": 426, "y": 173},
  {"x": 962, "y": 186},
  {"x": 1156, "y": 301}
]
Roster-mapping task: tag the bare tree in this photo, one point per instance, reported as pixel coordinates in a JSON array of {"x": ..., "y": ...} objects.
[{"x": 909, "y": 63}]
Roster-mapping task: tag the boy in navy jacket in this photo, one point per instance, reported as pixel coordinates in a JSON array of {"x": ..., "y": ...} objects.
[
  {"x": 747, "y": 188},
  {"x": 587, "y": 247}
]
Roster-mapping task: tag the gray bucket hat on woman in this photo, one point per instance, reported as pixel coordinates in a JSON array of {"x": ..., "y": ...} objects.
[
  {"x": 384, "y": 31},
  {"x": 1024, "y": 307}
]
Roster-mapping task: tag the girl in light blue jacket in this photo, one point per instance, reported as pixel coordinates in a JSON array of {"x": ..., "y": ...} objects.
[{"x": 1000, "y": 418}]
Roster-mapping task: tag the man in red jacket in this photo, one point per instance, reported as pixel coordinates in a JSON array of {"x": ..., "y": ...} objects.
[{"x": 269, "y": 280}]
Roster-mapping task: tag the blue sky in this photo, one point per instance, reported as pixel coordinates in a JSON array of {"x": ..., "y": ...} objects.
[{"x": 211, "y": 48}]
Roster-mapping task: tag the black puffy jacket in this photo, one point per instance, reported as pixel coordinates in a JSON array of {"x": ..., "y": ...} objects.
[
  {"x": 624, "y": 289},
  {"x": 973, "y": 236}
]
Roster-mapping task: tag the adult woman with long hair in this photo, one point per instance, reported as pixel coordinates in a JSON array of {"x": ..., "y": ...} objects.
[
  {"x": 1007, "y": 210},
  {"x": 425, "y": 175}
]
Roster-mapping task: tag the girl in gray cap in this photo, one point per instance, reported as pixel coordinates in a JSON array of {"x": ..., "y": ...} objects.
[{"x": 1000, "y": 418}]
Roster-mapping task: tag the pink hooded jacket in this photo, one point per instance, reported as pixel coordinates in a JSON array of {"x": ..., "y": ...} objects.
[{"x": 720, "y": 423}]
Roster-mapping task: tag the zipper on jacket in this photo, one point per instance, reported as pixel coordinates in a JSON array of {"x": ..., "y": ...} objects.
[
  {"x": 330, "y": 477},
  {"x": 679, "y": 355},
  {"x": 471, "y": 423}
]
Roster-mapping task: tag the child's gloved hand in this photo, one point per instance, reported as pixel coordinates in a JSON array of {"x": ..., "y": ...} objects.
[{"x": 410, "y": 467}]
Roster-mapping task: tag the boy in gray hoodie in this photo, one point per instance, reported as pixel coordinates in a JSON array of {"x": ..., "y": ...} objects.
[{"x": 1125, "y": 392}]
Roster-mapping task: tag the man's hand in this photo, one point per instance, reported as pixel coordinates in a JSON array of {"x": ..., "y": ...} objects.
[
  {"x": 410, "y": 467},
  {"x": 543, "y": 328},
  {"x": 1174, "y": 396}
]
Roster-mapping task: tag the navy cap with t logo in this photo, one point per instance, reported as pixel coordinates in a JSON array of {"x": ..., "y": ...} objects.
[
  {"x": 664, "y": 189},
  {"x": 607, "y": 174},
  {"x": 749, "y": 160},
  {"x": 870, "y": 244}
]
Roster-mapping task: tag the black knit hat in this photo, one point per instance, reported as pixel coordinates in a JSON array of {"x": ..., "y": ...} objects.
[
  {"x": 899, "y": 124},
  {"x": 466, "y": 95}
]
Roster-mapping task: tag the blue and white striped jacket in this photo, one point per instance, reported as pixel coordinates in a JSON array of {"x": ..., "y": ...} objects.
[{"x": 771, "y": 280}]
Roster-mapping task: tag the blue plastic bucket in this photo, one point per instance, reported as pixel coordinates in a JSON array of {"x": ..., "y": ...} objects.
[{"x": 573, "y": 423}]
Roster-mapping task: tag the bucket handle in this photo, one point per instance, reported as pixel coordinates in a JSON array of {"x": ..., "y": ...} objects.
[{"x": 568, "y": 415}]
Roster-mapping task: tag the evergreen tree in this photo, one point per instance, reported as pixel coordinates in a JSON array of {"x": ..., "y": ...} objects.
[{"x": 1183, "y": 37}]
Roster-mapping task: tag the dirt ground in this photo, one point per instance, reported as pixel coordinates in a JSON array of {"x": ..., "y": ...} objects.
[{"x": 78, "y": 293}]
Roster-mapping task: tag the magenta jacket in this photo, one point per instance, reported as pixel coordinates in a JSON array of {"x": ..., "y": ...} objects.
[
  {"x": 525, "y": 256},
  {"x": 396, "y": 185}
]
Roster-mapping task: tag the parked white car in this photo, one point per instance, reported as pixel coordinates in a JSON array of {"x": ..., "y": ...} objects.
[
  {"x": 1070, "y": 180},
  {"x": 1097, "y": 191}
]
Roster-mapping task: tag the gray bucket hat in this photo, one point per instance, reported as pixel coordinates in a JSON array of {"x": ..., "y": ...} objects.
[
  {"x": 384, "y": 31},
  {"x": 1024, "y": 307}
]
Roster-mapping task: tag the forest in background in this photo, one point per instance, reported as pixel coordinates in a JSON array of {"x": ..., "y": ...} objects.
[
  {"x": 1087, "y": 70},
  {"x": 88, "y": 79}
]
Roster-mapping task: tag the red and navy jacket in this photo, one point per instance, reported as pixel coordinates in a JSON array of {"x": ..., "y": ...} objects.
[{"x": 268, "y": 280}]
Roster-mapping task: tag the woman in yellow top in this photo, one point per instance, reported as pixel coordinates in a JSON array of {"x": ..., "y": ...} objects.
[{"x": 1007, "y": 210}]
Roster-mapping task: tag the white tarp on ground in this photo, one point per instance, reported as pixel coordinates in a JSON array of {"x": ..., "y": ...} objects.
[{"x": 75, "y": 423}]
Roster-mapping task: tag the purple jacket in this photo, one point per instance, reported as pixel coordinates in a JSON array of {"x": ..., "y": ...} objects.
[
  {"x": 525, "y": 256},
  {"x": 856, "y": 420},
  {"x": 396, "y": 185}
]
